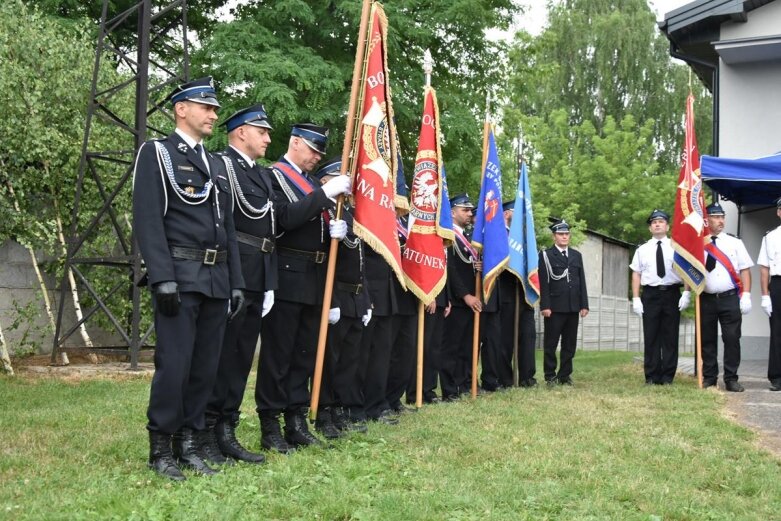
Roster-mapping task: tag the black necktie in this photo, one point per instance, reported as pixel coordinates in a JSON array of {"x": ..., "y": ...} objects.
[
  {"x": 198, "y": 148},
  {"x": 710, "y": 263},
  {"x": 564, "y": 252},
  {"x": 660, "y": 260}
]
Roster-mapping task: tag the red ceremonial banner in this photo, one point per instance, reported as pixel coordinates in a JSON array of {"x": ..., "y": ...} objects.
[
  {"x": 374, "y": 153},
  {"x": 424, "y": 260},
  {"x": 689, "y": 218}
]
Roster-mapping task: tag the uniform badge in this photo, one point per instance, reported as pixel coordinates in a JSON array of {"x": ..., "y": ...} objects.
[
  {"x": 242, "y": 163},
  {"x": 185, "y": 168},
  {"x": 190, "y": 190},
  {"x": 182, "y": 148}
]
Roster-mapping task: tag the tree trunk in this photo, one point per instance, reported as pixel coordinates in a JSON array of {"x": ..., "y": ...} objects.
[
  {"x": 74, "y": 289},
  {"x": 5, "y": 360}
]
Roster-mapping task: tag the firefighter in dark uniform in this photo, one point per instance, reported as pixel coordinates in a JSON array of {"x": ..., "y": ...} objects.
[
  {"x": 289, "y": 332},
  {"x": 340, "y": 390},
  {"x": 563, "y": 301},
  {"x": 462, "y": 263},
  {"x": 404, "y": 336},
  {"x": 253, "y": 215},
  {"x": 433, "y": 332},
  {"x": 185, "y": 232},
  {"x": 511, "y": 288}
]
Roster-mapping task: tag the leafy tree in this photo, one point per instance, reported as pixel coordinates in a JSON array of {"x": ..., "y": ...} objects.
[
  {"x": 45, "y": 72},
  {"x": 600, "y": 104},
  {"x": 297, "y": 57}
]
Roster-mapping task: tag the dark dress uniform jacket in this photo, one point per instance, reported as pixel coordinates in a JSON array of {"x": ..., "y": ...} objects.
[
  {"x": 563, "y": 296},
  {"x": 300, "y": 226},
  {"x": 350, "y": 268},
  {"x": 259, "y": 268},
  {"x": 460, "y": 274},
  {"x": 163, "y": 220}
]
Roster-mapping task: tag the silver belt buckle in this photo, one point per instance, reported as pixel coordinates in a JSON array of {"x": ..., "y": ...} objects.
[
  {"x": 210, "y": 257},
  {"x": 266, "y": 245},
  {"x": 319, "y": 257}
]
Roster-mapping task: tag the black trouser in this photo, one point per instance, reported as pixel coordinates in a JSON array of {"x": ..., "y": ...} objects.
[
  {"x": 661, "y": 319},
  {"x": 238, "y": 349},
  {"x": 564, "y": 326},
  {"x": 432, "y": 346},
  {"x": 527, "y": 335},
  {"x": 725, "y": 311},
  {"x": 186, "y": 356},
  {"x": 492, "y": 360},
  {"x": 774, "y": 355},
  {"x": 404, "y": 355},
  {"x": 456, "y": 370},
  {"x": 375, "y": 359},
  {"x": 340, "y": 385},
  {"x": 287, "y": 356}
]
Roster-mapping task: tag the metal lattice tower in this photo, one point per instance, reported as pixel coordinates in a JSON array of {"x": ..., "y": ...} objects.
[{"x": 149, "y": 50}]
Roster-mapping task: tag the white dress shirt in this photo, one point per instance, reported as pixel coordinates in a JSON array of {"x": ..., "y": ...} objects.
[
  {"x": 719, "y": 280},
  {"x": 644, "y": 263},
  {"x": 770, "y": 252}
]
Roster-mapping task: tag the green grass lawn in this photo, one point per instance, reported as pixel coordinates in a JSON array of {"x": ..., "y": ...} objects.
[{"x": 609, "y": 448}]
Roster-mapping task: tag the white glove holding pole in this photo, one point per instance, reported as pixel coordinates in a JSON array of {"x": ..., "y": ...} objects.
[
  {"x": 745, "y": 303},
  {"x": 340, "y": 184},
  {"x": 337, "y": 228},
  {"x": 334, "y": 314},
  {"x": 685, "y": 300},
  {"x": 367, "y": 317},
  {"x": 268, "y": 303},
  {"x": 637, "y": 306},
  {"x": 767, "y": 305}
]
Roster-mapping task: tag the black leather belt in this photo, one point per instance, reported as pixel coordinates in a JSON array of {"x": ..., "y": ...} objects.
[
  {"x": 264, "y": 244},
  {"x": 777, "y": 277},
  {"x": 723, "y": 294},
  {"x": 208, "y": 257},
  {"x": 318, "y": 257},
  {"x": 663, "y": 288},
  {"x": 355, "y": 289}
]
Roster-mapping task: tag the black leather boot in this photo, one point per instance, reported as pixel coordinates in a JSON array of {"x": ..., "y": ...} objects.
[
  {"x": 161, "y": 459},
  {"x": 188, "y": 453},
  {"x": 210, "y": 449},
  {"x": 340, "y": 420},
  {"x": 324, "y": 424},
  {"x": 225, "y": 434},
  {"x": 296, "y": 429},
  {"x": 271, "y": 433}
]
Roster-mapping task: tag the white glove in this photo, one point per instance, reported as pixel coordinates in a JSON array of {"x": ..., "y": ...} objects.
[
  {"x": 684, "y": 301},
  {"x": 637, "y": 306},
  {"x": 338, "y": 185},
  {"x": 745, "y": 303},
  {"x": 337, "y": 228},
  {"x": 367, "y": 317},
  {"x": 334, "y": 314},
  {"x": 767, "y": 305},
  {"x": 268, "y": 303}
]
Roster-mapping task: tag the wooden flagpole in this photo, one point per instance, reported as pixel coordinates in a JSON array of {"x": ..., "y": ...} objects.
[
  {"x": 478, "y": 273},
  {"x": 698, "y": 341},
  {"x": 428, "y": 68},
  {"x": 419, "y": 373},
  {"x": 358, "y": 70}
]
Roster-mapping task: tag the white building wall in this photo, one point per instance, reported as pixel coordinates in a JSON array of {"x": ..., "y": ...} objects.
[{"x": 750, "y": 127}]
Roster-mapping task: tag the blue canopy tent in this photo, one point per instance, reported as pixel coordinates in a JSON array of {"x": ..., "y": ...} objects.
[{"x": 744, "y": 181}]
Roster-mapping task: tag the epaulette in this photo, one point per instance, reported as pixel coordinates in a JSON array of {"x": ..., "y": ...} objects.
[{"x": 733, "y": 235}]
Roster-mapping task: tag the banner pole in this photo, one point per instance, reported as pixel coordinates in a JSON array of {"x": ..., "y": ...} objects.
[
  {"x": 478, "y": 273},
  {"x": 419, "y": 375},
  {"x": 332, "y": 252},
  {"x": 698, "y": 339}
]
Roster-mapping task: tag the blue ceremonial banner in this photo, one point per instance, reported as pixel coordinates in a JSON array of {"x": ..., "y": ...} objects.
[
  {"x": 523, "y": 241},
  {"x": 490, "y": 235},
  {"x": 445, "y": 217}
]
